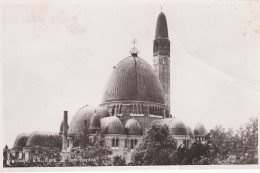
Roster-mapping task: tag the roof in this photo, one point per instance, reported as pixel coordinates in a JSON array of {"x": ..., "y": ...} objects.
[
  {"x": 133, "y": 127},
  {"x": 6, "y": 147},
  {"x": 82, "y": 118},
  {"x": 44, "y": 139},
  {"x": 176, "y": 126},
  {"x": 133, "y": 79},
  {"x": 95, "y": 122},
  {"x": 161, "y": 31},
  {"x": 21, "y": 140},
  {"x": 199, "y": 130},
  {"x": 111, "y": 125}
]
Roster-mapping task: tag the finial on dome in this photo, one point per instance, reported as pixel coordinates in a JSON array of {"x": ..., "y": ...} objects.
[
  {"x": 134, "y": 51},
  {"x": 161, "y": 8}
]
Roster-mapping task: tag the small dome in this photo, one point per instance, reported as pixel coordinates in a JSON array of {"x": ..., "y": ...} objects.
[
  {"x": 200, "y": 130},
  {"x": 20, "y": 140},
  {"x": 43, "y": 139},
  {"x": 111, "y": 125},
  {"x": 95, "y": 122},
  {"x": 176, "y": 126},
  {"x": 190, "y": 132},
  {"x": 133, "y": 127},
  {"x": 83, "y": 117},
  {"x": 133, "y": 79}
]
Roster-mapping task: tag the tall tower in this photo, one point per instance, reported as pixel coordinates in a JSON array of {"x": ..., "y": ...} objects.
[{"x": 161, "y": 54}]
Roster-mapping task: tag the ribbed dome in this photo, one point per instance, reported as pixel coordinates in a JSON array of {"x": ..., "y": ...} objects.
[
  {"x": 199, "y": 130},
  {"x": 190, "y": 132},
  {"x": 133, "y": 127},
  {"x": 111, "y": 125},
  {"x": 95, "y": 122},
  {"x": 161, "y": 27},
  {"x": 20, "y": 140},
  {"x": 43, "y": 139},
  {"x": 133, "y": 79},
  {"x": 176, "y": 126},
  {"x": 83, "y": 116}
]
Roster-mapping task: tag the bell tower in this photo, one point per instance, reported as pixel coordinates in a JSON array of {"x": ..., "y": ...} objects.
[{"x": 161, "y": 56}]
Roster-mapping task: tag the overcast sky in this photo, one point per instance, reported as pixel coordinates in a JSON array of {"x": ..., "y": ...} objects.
[{"x": 58, "y": 57}]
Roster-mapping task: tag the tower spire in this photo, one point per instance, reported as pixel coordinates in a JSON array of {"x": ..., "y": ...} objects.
[{"x": 161, "y": 53}]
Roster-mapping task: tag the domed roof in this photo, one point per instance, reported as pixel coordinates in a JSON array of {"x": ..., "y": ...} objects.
[
  {"x": 95, "y": 122},
  {"x": 190, "y": 132},
  {"x": 199, "y": 130},
  {"x": 83, "y": 116},
  {"x": 43, "y": 139},
  {"x": 20, "y": 140},
  {"x": 133, "y": 127},
  {"x": 161, "y": 27},
  {"x": 111, "y": 125},
  {"x": 176, "y": 126},
  {"x": 133, "y": 79}
]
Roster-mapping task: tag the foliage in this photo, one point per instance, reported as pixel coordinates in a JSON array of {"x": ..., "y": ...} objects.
[
  {"x": 94, "y": 154},
  {"x": 229, "y": 147},
  {"x": 158, "y": 148},
  {"x": 82, "y": 139},
  {"x": 118, "y": 161},
  {"x": 88, "y": 150},
  {"x": 45, "y": 154},
  {"x": 221, "y": 147}
]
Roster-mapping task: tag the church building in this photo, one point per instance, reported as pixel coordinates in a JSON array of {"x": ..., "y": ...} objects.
[{"x": 136, "y": 96}]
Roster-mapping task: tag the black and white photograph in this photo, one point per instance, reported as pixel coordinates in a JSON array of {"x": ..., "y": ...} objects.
[{"x": 130, "y": 84}]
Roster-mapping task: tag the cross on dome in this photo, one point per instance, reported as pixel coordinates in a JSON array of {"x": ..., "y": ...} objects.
[{"x": 134, "y": 51}]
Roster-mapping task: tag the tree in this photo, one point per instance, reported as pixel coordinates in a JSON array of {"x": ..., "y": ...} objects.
[
  {"x": 157, "y": 148},
  {"x": 229, "y": 147},
  {"x": 247, "y": 148},
  {"x": 118, "y": 161},
  {"x": 88, "y": 150}
]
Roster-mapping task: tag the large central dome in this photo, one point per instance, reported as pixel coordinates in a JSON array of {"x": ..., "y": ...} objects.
[{"x": 133, "y": 79}]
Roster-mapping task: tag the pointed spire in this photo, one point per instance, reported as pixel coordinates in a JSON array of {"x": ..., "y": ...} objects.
[
  {"x": 161, "y": 27},
  {"x": 6, "y": 147}
]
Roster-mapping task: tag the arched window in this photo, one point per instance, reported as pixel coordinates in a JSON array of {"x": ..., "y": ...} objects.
[
  {"x": 132, "y": 143},
  {"x": 113, "y": 142},
  {"x": 116, "y": 142},
  {"x": 113, "y": 110},
  {"x": 155, "y": 45},
  {"x": 135, "y": 141},
  {"x": 120, "y": 109},
  {"x": 125, "y": 143}
]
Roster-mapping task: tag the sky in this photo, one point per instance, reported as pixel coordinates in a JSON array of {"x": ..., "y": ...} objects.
[{"x": 58, "y": 56}]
